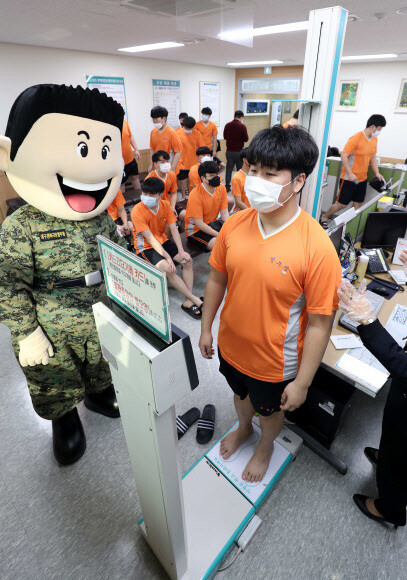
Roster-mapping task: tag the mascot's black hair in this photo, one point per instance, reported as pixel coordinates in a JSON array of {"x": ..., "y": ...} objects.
[{"x": 40, "y": 100}]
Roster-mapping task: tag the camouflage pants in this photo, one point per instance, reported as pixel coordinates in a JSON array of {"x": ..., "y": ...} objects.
[{"x": 76, "y": 367}]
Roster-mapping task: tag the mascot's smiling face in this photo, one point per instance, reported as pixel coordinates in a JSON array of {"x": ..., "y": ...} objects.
[{"x": 66, "y": 165}]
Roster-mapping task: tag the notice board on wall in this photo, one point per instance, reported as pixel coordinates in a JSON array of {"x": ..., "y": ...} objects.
[
  {"x": 112, "y": 86},
  {"x": 209, "y": 96},
  {"x": 167, "y": 93}
]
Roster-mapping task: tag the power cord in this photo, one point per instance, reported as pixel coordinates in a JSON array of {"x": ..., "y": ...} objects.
[{"x": 231, "y": 562}]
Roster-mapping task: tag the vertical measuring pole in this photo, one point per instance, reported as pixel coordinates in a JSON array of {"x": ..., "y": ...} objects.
[{"x": 323, "y": 54}]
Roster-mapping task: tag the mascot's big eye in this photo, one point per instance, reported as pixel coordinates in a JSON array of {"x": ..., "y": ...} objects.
[
  {"x": 82, "y": 149},
  {"x": 105, "y": 152}
]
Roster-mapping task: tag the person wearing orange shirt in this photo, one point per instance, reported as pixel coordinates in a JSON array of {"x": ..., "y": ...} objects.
[
  {"x": 190, "y": 139},
  {"x": 205, "y": 203},
  {"x": 293, "y": 122},
  {"x": 162, "y": 170},
  {"x": 202, "y": 154},
  {"x": 118, "y": 214},
  {"x": 164, "y": 138},
  {"x": 358, "y": 152},
  {"x": 181, "y": 117},
  {"x": 238, "y": 182},
  {"x": 281, "y": 273},
  {"x": 208, "y": 129},
  {"x": 130, "y": 170},
  {"x": 150, "y": 219}
]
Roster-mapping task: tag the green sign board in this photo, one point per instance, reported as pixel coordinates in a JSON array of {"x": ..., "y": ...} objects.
[{"x": 137, "y": 286}]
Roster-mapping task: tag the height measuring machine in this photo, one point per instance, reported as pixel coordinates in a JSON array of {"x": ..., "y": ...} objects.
[{"x": 190, "y": 522}]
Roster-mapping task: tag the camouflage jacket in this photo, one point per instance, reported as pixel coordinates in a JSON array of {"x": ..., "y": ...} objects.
[{"x": 34, "y": 244}]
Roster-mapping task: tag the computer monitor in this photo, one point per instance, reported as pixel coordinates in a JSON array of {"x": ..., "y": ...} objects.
[
  {"x": 336, "y": 238},
  {"x": 382, "y": 230}
]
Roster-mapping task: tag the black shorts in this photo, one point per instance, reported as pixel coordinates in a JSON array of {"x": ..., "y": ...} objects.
[
  {"x": 178, "y": 209},
  {"x": 183, "y": 174},
  {"x": 154, "y": 257},
  {"x": 265, "y": 397},
  {"x": 350, "y": 191},
  {"x": 130, "y": 169},
  {"x": 201, "y": 239}
]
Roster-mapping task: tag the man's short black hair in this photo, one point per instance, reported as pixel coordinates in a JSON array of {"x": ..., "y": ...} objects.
[
  {"x": 239, "y": 114},
  {"x": 206, "y": 111},
  {"x": 376, "y": 120},
  {"x": 208, "y": 167},
  {"x": 279, "y": 149},
  {"x": 189, "y": 122},
  {"x": 153, "y": 185},
  {"x": 40, "y": 100},
  {"x": 203, "y": 151},
  {"x": 297, "y": 112},
  {"x": 156, "y": 156},
  {"x": 158, "y": 112},
  {"x": 182, "y": 115},
  {"x": 243, "y": 154}
]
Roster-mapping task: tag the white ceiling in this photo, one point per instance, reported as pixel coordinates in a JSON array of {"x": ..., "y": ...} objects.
[{"x": 105, "y": 25}]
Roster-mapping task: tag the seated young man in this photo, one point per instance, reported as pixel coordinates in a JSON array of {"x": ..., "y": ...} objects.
[
  {"x": 162, "y": 170},
  {"x": 205, "y": 202},
  {"x": 281, "y": 272},
  {"x": 238, "y": 182},
  {"x": 202, "y": 154},
  {"x": 150, "y": 218},
  {"x": 190, "y": 139},
  {"x": 118, "y": 213}
]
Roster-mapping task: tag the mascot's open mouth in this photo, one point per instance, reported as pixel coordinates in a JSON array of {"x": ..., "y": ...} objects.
[{"x": 83, "y": 197}]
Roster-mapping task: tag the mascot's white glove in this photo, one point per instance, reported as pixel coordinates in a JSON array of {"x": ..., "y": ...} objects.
[{"x": 35, "y": 349}]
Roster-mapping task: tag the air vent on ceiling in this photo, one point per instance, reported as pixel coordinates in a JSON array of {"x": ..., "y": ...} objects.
[{"x": 175, "y": 8}]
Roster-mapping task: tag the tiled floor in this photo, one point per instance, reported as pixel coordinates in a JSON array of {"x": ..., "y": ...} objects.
[{"x": 80, "y": 522}]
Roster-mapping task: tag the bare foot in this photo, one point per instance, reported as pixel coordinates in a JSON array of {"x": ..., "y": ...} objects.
[
  {"x": 233, "y": 440},
  {"x": 258, "y": 464},
  {"x": 372, "y": 508}
]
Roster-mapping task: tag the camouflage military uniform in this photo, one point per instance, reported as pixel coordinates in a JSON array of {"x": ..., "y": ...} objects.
[{"x": 34, "y": 244}]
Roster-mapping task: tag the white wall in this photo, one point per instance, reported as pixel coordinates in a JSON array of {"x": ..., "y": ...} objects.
[
  {"x": 22, "y": 66},
  {"x": 380, "y": 89}
]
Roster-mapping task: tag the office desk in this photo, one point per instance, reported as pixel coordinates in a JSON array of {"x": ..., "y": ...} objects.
[{"x": 332, "y": 356}]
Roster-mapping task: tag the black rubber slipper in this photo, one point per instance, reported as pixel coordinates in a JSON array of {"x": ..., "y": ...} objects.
[
  {"x": 324, "y": 224},
  {"x": 185, "y": 421},
  {"x": 206, "y": 425},
  {"x": 194, "y": 311}
]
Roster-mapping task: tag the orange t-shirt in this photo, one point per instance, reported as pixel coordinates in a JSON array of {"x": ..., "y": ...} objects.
[
  {"x": 203, "y": 205},
  {"x": 193, "y": 176},
  {"x": 189, "y": 145},
  {"x": 238, "y": 181},
  {"x": 144, "y": 219},
  {"x": 117, "y": 202},
  {"x": 207, "y": 132},
  {"x": 127, "y": 151},
  {"x": 170, "y": 183},
  {"x": 165, "y": 141},
  {"x": 274, "y": 280},
  {"x": 361, "y": 150}
]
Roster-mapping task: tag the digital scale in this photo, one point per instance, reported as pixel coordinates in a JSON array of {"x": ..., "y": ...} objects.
[{"x": 190, "y": 522}]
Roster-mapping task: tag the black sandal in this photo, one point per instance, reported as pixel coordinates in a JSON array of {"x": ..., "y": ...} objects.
[
  {"x": 185, "y": 421},
  {"x": 192, "y": 311},
  {"x": 206, "y": 425}
]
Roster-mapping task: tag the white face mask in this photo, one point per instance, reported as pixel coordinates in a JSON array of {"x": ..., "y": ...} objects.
[
  {"x": 205, "y": 118},
  {"x": 149, "y": 201},
  {"x": 165, "y": 167},
  {"x": 263, "y": 195},
  {"x": 206, "y": 158},
  {"x": 188, "y": 131},
  {"x": 376, "y": 133},
  {"x": 158, "y": 125}
]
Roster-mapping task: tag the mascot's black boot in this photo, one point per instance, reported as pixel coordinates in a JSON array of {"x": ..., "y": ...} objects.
[
  {"x": 104, "y": 403},
  {"x": 68, "y": 438}
]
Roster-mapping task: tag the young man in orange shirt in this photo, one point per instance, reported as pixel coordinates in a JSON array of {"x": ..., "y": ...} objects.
[
  {"x": 202, "y": 154},
  {"x": 181, "y": 117},
  {"x": 190, "y": 139},
  {"x": 281, "y": 273},
  {"x": 150, "y": 218},
  {"x": 238, "y": 182},
  {"x": 358, "y": 152},
  {"x": 208, "y": 130},
  {"x": 162, "y": 170},
  {"x": 205, "y": 202},
  {"x": 130, "y": 170},
  {"x": 164, "y": 138},
  {"x": 118, "y": 213}
]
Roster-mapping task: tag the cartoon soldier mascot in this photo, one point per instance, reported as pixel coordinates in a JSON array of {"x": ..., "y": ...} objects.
[{"x": 62, "y": 154}]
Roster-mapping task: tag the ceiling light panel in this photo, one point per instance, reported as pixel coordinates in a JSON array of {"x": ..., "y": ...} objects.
[{"x": 146, "y": 47}]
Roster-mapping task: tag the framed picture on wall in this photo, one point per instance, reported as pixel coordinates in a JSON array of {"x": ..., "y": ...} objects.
[
  {"x": 348, "y": 95},
  {"x": 401, "y": 106}
]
